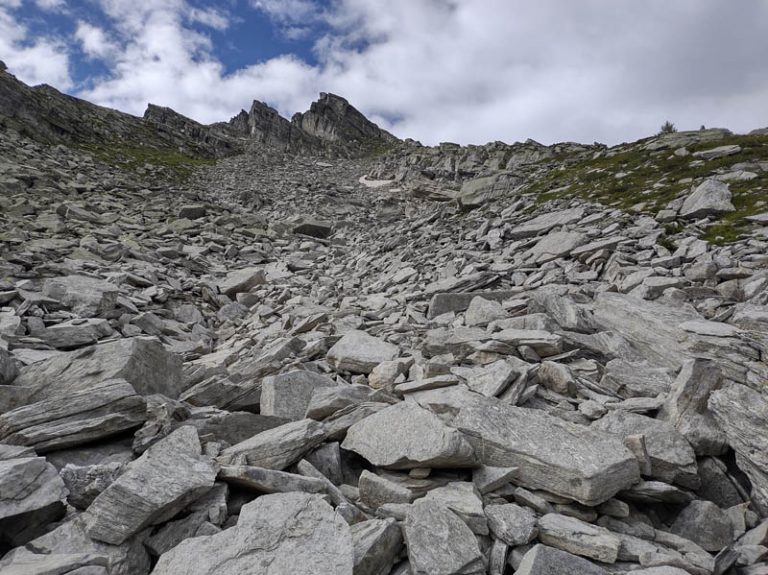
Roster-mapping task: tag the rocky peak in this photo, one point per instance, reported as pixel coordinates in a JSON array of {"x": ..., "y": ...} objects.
[{"x": 334, "y": 119}]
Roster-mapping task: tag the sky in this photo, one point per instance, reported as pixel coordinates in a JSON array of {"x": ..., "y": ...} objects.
[{"x": 465, "y": 71}]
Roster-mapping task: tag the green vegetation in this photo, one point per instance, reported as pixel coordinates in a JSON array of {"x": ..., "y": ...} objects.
[
  {"x": 649, "y": 180},
  {"x": 667, "y": 128},
  {"x": 170, "y": 162}
]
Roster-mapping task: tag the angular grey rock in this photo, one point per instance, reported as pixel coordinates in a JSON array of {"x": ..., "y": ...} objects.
[
  {"x": 170, "y": 475},
  {"x": 8, "y": 368},
  {"x": 106, "y": 409},
  {"x": 288, "y": 395},
  {"x": 377, "y": 546},
  {"x": 582, "y": 464},
  {"x": 635, "y": 379},
  {"x": 277, "y": 448},
  {"x": 84, "y": 483},
  {"x": 544, "y": 560},
  {"x": 481, "y": 312},
  {"x": 268, "y": 480},
  {"x": 578, "y": 537},
  {"x": 86, "y": 296},
  {"x": 76, "y": 333},
  {"x": 31, "y": 496},
  {"x": 672, "y": 457},
  {"x": 142, "y": 362},
  {"x": 193, "y": 211},
  {"x": 718, "y": 152},
  {"x": 314, "y": 228},
  {"x": 376, "y": 491},
  {"x": 58, "y": 564},
  {"x": 439, "y": 543},
  {"x": 359, "y": 352},
  {"x": 294, "y": 533},
  {"x": 464, "y": 500},
  {"x": 743, "y": 414},
  {"x": 488, "y": 478},
  {"x": 326, "y": 401},
  {"x": 459, "y": 301},
  {"x": 705, "y": 524},
  {"x": 686, "y": 406},
  {"x": 544, "y": 223},
  {"x": 405, "y": 436},
  {"x": 555, "y": 245},
  {"x": 239, "y": 281},
  {"x": 512, "y": 524},
  {"x": 709, "y": 198}
]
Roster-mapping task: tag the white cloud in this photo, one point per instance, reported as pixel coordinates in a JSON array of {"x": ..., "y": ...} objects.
[
  {"x": 32, "y": 60},
  {"x": 94, "y": 42},
  {"x": 289, "y": 11},
  {"x": 50, "y": 5},
  {"x": 209, "y": 17}
]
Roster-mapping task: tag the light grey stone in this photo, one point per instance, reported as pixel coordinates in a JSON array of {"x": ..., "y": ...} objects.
[
  {"x": 672, "y": 457},
  {"x": 106, "y": 409},
  {"x": 84, "y": 483},
  {"x": 239, "y": 281},
  {"x": 710, "y": 198},
  {"x": 277, "y": 448},
  {"x": 513, "y": 524},
  {"x": 288, "y": 395},
  {"x": 544, "y": 560},
  {"x": 377, "y": 546},
  {"x": 269, "y": 480},
  {"x": 488, "y": 478},
  {"x": 86, "y": 296},
  {"x": 585, "y": 465},
  {"x": 142, "y": 362},
  {"x": 743, "y": 414},
  {"x": 705, "y": 524},
  {"x": 171, "y": 474},
  {"x": 464, "y": 500},
  {"x": 76, "y": 333},
  {"x": 376, "y": 491},
  {"x": 555, "y": 245},
  {"x": 481, "y": 312},
  {"x": 8, "y": 368},
  {"x": 404, "y": 436},
  {"x": 359, "y": 352},
  {"x": 294, "y": 533},
  {"x": 578, "y": 537},
  {"x": 439, "y": 543},
  {"x": 545, "y": 222}
]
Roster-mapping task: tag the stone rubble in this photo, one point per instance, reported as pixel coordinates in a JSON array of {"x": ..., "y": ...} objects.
[{"x": 299, "y": 360}]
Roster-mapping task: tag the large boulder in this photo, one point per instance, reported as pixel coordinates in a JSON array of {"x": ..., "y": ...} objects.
[
  {"x": 86, "y": 296},
  {"x": 360, "y": 352},
  {"x": 288, "y": 395},
  {"x": 544, "y": 560},
  {"x": 570, "y": 460},
  {"x": 404, "y": 436},
  {"x": 106, "y": 409},
  {"x": 142, "y": 362},
  {"x": 439, "y": 543},
  {"x": 170, "y": 475},
  {"x": 291, "y": 533},
  {"x": 710, "y": 198}
]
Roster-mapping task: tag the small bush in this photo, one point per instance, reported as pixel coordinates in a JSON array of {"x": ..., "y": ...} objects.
[{"x": 667, "y": 128}]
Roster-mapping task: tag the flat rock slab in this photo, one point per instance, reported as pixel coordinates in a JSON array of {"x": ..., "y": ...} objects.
[
  {"x": 239, "y": 281},
  {"x": 710, "y": 198},
  {"x": 578, "y": 537},
  {"x": 171, "y": 474},
  {"x": 459, "y": 301},
  {"x": 544, "y": 560},
  {"x": 555, "y": 245},
  {"x": 104, "y": 410},
  {"x": 277, "y": 448},
  {"x": 76, "y": 333},
  {"x": 288, "y": 394},
  {"x": 142, "y": 362},
  {"x": 360, "y": 352},
  {"x": 86, "y": 296},
  {"x": 269, "y": 480},
  {"x": 544, "y": 223},
  {"x": 570, "y": 460},
  {"x": 439, "y": 543},
  {"x": 31, "y": 495},
  {"x": 742, "y": 413},
  {"x": 513, "y": 524},
  {"x": 404, "y": 436},
  {"x": 672, "y": 457},
  {"x": 285, "y": 533},
  {"x": 377, "y": 546}
]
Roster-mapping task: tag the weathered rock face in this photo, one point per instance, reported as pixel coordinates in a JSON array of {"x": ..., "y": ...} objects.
[
  {"x": 710, "y": 198},
  {"x": 359, "y": 352},
  {"x": 283, "y": 533},
  {"x": 575, "y": 462}
]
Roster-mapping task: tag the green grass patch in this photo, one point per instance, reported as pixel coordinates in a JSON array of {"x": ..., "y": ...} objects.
[
  {"x": 178, "y": 167},
  {"x": 654, "y": 178}
]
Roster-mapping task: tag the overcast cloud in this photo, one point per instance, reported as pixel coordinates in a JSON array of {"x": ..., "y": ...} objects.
[{"x": 469, "y": 71}]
